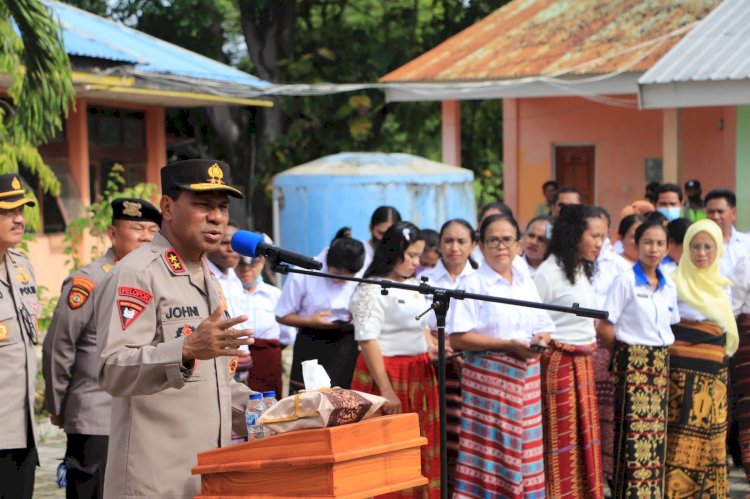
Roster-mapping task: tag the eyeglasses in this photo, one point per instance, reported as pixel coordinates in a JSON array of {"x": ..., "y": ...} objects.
[
  {"x": 697, "y": 247},
  {"x": 496, "y": 242}
]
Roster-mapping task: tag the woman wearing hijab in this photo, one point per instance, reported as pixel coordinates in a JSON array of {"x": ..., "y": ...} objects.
[{"x": 696, "y": 464}]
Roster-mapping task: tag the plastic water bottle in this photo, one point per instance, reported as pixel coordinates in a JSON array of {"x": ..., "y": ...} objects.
[
  {"x": 252, "y": 414},
  {"x": 269, "y": 398}
]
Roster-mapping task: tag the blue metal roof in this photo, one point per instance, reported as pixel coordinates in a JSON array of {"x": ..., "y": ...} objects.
[{"x": 88, "y": 35}]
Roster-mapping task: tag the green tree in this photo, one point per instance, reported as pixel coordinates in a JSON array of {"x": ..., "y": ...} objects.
[{"x": 40, "y": 92}]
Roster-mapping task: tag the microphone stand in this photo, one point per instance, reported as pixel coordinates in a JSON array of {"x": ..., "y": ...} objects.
[{"x": 440, "y": 302}]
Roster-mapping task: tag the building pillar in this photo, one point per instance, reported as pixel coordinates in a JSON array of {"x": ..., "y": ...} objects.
[
  {"x": 78, "y": 149},
  {"x": 156, "y": 144},
  {"x": 451, "y": 121},
  {"x": 510, "y": 154},
  {"x": 671, "y": 143}
]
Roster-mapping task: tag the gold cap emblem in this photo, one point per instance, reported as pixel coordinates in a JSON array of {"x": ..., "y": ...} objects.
[
  {"x": 15, "y": 183},
  {"x": 131, "y": 209},
  {"x": 216, "y": 174}
]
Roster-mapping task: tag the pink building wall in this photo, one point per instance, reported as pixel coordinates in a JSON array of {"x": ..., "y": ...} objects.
[{"x": 624, "y": 138}]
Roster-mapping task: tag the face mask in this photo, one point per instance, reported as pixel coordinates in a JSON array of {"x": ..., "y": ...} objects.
[
  {"x": 251, "y": 285},
  {"x": 672, "y": 213}
]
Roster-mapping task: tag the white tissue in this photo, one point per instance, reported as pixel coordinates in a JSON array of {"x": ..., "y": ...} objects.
[{"x": 315, "y": 375}]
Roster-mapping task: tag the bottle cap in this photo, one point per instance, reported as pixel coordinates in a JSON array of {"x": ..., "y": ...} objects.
[
  {"x": 256, "y": 396},
  {"x": 271, "y": 394}
]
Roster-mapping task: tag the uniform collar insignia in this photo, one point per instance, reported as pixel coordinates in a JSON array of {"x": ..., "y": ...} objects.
[
  {"x": 15, "y": 183},
  {"x": 174, "y": 262}
]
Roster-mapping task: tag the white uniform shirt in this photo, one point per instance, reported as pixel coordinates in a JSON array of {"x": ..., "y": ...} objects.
[
  {"x": 555, "y": 289},
  {"x": 260, "y": 309},
  {"x": 607, "y": 268},
  {"x": 497, "y": 320},
  {"x": 640, "y": 314},
  {"x": 440, "y": 278},
  {"x": 307, "y": 295},
  {"x": 734, "y": 250},
  {"x": 741, "y": 289},
  {"x": 390, "y": 319},
  {"x": 231, "y": 286}
]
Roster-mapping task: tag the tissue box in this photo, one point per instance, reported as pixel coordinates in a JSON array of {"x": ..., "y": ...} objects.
[{"x": 320, "y": 409}]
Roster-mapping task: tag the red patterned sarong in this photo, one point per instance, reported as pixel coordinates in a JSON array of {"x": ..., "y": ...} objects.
[
  {"x": 502, "y": 449},
  {"x": 413, "y": 380},
  {"x": 572, "y": 441},
  {"x": 265, "y": 373}
]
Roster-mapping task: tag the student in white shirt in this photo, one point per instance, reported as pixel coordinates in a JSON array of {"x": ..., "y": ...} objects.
[
  {"x": 721, "y": 207},
  {"x": 535, "y": 241},
  {"x": 501, "y": 409},
  {"x": 382, "y": 218},
  {"x": 393, "y": 361},
  {"x": 642, "y": 306},
  {"x": 706, "y": 335},
  {"x": 626, "y": 232},
  {"x": 270, "y": 337},
  {"x": 456, "y": 240},
  {"x": 571, "y": 433},
  {"x": 319, "y": 308}
]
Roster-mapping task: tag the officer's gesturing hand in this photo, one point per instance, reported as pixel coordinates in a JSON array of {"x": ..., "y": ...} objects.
[{"x": 214, "y": 337}]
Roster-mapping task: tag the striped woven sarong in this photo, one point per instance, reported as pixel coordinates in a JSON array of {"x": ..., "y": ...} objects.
[
  {"x": 741, "y": 374},
  {"x": 572, "y": 442},
  {"x": 413, "y": 380},
  {"x": 501, "y": 445},
  {"x": 696, "y": 464},
  {"x": 641, "y": 383},
  {"x": 605, "y": 398}
]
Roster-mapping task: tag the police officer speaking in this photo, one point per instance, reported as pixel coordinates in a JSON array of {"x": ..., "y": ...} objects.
[
  {"x": 73, "y": 396},
  {"x": 170, "y": 370},
  {"x": 19, "y": 307}
]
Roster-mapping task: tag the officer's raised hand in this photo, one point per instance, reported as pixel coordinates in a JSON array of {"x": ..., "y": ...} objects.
[{"x": 214, "y": 337}]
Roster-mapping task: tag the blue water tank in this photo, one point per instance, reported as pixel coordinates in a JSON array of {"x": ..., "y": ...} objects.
[{"x": 312, "y": 201}]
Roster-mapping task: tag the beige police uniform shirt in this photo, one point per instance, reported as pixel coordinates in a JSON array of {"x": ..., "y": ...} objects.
[
  {"x": 163, "y": 414},
  {"x": 18, "y": 299},
  {"x": 69, "y": 356}
]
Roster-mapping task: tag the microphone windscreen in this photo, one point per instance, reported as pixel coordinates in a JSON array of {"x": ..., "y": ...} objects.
[{"x": 246, "y": 243}]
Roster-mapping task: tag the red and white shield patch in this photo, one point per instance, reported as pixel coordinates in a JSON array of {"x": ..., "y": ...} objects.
[{"x": 129, "y": 311}]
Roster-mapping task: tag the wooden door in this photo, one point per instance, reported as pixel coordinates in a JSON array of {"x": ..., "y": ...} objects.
[{"x": 574, "y": 165}]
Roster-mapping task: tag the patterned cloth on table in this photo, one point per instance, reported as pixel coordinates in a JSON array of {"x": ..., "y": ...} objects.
[
  {"x": 741, "y": 374},
  {"x": 413, "y": 380},
  {"x": 501, "y": 450},
  {"x": 572, "y": 442},
  {"x": 641, "y": 384},
  {"x": 696, "y": 464},
  {"x": 605, "y": 397}
]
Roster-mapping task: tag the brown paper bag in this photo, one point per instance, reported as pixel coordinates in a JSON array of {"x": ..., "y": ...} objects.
[{"x": 319, "y": 409}]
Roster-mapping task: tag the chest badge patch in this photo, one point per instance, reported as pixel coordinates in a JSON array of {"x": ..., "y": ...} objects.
[
  {"x": 185, "y": 330},
  {"x": 137, "y": 293},
  {"x": 22, "y": 275},
  {"x": 80, "y": 292},
  {"x": 174, "y": 261},
  {"x": 130, "y": 310},
  {"x": 3, "y": 331}
]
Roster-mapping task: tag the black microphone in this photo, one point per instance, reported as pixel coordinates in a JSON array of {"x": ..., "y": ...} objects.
[{"x": 252, "y": 244}]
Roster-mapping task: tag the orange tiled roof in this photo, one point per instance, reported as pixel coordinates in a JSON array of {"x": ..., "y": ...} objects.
[{"x": 528, "y": 38}]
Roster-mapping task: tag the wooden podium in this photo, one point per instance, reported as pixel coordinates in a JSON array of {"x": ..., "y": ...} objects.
[{"x": 362, "y": 459}]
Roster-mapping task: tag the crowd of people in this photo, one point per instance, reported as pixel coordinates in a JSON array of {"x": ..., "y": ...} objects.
[{"x": 540, "y": 403}]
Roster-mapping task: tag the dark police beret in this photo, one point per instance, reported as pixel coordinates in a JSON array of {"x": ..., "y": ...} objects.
[
  {"x": 137, "y": 210},
  {"x": 198, "y": 175},
  {"x": 12, "y": 194}
]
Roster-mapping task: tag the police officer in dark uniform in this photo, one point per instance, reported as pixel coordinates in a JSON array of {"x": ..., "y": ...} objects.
[
  {"x": 73, "y": 396},
  {"x": 19, "y": 308}
]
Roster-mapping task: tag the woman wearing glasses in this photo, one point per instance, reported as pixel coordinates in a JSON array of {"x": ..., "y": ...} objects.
[
  {"x": 500, "y": 448},
  {"x": 696, "y": 463},
  {"x": 572, "y": 441},
  {"x": 393, "y": 360}
]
